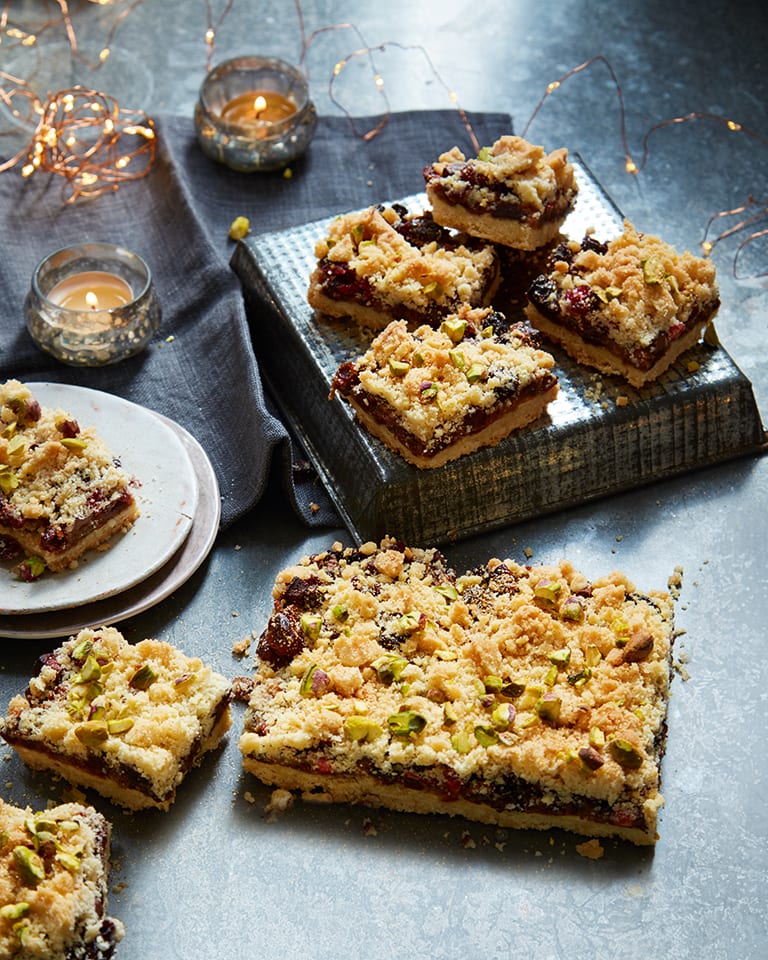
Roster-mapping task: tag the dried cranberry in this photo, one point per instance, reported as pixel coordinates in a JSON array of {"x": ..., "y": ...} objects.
[
  {"x": 580, "y": 300},
  {"x": 303, "y": 592},
  {"x": 591, "y": 243},
  {"x": 54, "y": 538},
  {"x": 9, "y": 549},
  {"x": 69, "y": 428},
  {"x": 283, "y": 637}
]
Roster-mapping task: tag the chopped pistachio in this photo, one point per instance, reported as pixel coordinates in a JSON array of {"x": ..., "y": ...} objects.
[
  {"x": 143, "y": 678},
  {"x": 625, "y": 753},
  {"x": 33, "y": 567},
  {"x": 551, "y": 676},
  {"x": 89, "y": 671},
  {"x": 311, "y": 624},
  {"x": 315, "y": 682},
  {"x": 454, "y": 328},
  {"x": 572, "y": 609},
  {"x": 560, "y": 657},
  {"x": 461, "y": 742},
  {"x": 340, "y": 612},
  {"x": 486, "y": 736},
  {"x": 592, "y": 655},
  {"x": 449, "y": 713},
  {"x": 8, "y": 479},
  {"x": 580, "y": 678},
  {"x": 492, "y": 684},
  {"x": 596, "y": 737},
  {"x": 476, "y": 372},
  {"x": 362, "y": 728},
  {"x": 486, "y": 153},
  {"x": 406, "y": 723},
  {"x": 82, "y": 650},
  {"x": 530, "y": 696},
  {"x": 457, "y": 359},
  {"x": 389, "y": 667},
  {"x": 69, "y": 861},
  {"x": 29, "y": 864},
  {"x": 75, "y": 444},
  {"x": 547, "y": 590},
  {"x": 92, "y": 733},
  {"x": 448, "y": 591},
  {"x": 653, "y": 270},
  {"x": 408, "y": 622},
  {"x": 119, "y": 725},
  {"x": 548, "y": 708},
  {"x": 511, "y": 689},
  {"x": 503, "y": 715},
  {"x": 398, "y": 368},
  {"x": 239, "y": 228},
  {"x": 12, "y": 911}
]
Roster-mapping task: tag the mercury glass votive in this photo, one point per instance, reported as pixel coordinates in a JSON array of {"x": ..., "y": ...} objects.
[
  {"x": 254, "y": 114},
  {"x": 92, "y": 304}
]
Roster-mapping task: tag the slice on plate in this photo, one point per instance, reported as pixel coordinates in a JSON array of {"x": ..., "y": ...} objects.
[
  {"x": 62, "y": 491},
  {"x": 127, "y": 720},
  {"x": 382, "y": 264},
  {"x": 54, "y": 884},
  {"x": 520, "y": 696},
  {"x": 513, "y": 193},
  {"x": 629, "y": 307},
  {"x": 434, "y": 395}
]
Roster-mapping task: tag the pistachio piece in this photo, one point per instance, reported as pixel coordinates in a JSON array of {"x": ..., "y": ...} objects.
[
  {"x": 492, "y": 684},
  {"x": 486, "y": 154},
  {"x": 311, "y": 624},
  {"x": 89, "y": 671},
  {"x": 75, "y": 444},
  {"x": 31, "y": 568},
  {"x": 486, "y": 736},
  {"x": 8, "y": 479},
  {"x": 531, "y": 695},
  {"x": 29, "y": 865},
  {"x": 409, "y": 622},
  {"x": 511, "y": 689},
  {"x": 560, "y": 657},
  {"x": 119, "y": 725},
  {"x": 239, "y": 228},
  {"x": 572, "y": 609},
  {"x": 476, "y": 372},
  {"x": 450, "y": 714},
  {"x": 12, "y": 911},
  {"x": 406, "y": 723},
  {"x": 340, "y": 612},
  {"x": 398, "y": 368},
  {"x": 596, "y": 737},
  {"x": 362, "y": 728},
  {"x": 448, "y": 591},
  {"x": 548, "y": 708},
  {"x": 143, "y": 678},
  {"x": 547, "y": 590},
  {"x": 427, "y": 391},
  {"x": 82, "y": 650},
  {"x": 457, "y": 359},
  {"x": 591, "y": 759},
  {"x": 592, "y": 655},
  {"x": 92, "y": 733},
  {"x": 69, "y": 861},
  {"x": 653, "y": 269},
  {"x": 389, "y": 667},
  {"x": 625, "y": 753},
  {"x": 454, "y": 328},
  {"x": 315, "y": 682},
  {"x": 550, "y": 677},
  {"x": 580, "y": 678},
  {"x": 503, "y": 715},
  {"x": 461, "y": 742}
]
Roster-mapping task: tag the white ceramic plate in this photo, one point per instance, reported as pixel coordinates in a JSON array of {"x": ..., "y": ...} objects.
[
  {"x": 149, "y": 449},
  {"x": 154, "y": 589}
]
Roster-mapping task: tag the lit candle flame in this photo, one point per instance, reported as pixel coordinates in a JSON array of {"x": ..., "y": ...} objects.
[
  {"x": 91, "y": 299},
  {"x": 259, "y": 104}
]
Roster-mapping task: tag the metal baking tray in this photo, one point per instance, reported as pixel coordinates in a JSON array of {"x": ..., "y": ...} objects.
[{"x": 700, "y": 412}]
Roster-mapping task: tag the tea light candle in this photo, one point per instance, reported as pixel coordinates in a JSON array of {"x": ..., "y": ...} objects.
[
  {"x": 254, "y": 114},
  {"x": 92, "y": 304},
  {"x": 255, "y": 108},
  {"x": 91, "y": 290}
]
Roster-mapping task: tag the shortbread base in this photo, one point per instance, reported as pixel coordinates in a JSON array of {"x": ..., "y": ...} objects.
[
  {"x": 502, "y": 230},
  {"x": 604, "y": 360},
  {"x": 362, "y": 789},
  {"x": 519, "y": 416}
]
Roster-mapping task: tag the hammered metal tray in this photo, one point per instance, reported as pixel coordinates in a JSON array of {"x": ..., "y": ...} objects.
[{"x": 600, "y": 436}]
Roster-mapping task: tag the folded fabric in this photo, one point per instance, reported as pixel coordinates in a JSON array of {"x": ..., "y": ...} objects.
[{"x": 201, "y": 370}]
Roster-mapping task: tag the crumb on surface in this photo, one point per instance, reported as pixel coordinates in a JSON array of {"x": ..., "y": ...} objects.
[
  {"x": 591, "y": 849},
  {"x": 240, "y": 648},
  {"x": 280, "y": 800}
]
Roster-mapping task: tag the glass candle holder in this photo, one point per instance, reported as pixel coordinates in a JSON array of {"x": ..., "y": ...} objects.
[
  {"x": 254, "y": 114},
  {"x": 92, "y": 304}
]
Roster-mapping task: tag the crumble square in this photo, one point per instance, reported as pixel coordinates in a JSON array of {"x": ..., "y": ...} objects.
[
  {"x": 435, "y": 395},
  {"x": 127, "y": 720}
]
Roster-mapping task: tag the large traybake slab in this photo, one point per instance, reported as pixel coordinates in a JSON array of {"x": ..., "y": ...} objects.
[{"x": 588, "y": 446}]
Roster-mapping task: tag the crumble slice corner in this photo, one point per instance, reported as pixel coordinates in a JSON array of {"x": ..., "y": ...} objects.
[
  {"x": 127, "y": 720},
  {"x": 54, "y": 884},
  {"x": 513, "y": 193}
]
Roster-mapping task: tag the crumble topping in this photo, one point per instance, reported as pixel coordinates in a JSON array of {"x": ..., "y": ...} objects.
[
  {"x": 384, "y": 657},
  {"x": 401, "y": 272},
  {"x": 641, "y": 286},
  {"x": 433, "y": 379},
  {"x": 512, "y": 163},
  {"x": 53, "y": 883}
]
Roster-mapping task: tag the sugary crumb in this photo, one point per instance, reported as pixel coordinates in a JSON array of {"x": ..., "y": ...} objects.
[
  {"x": 249, "y": 797},
  {"x": 314, "y": 507},
  {"x": 467, "y": 841},
  {"x": 591, "y": 849},
  {"x": 279, "y": 801},
  {"x": 528, "y": 552},
  {"x": 240, "y": 648},
  {"x": 622, "y": 400},
  {"x": 369, "y": 829},
  {"x": 675, "y": 583}
]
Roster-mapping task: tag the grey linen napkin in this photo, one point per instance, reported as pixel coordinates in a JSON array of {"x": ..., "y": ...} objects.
[{"x": 201, "y": 370}]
